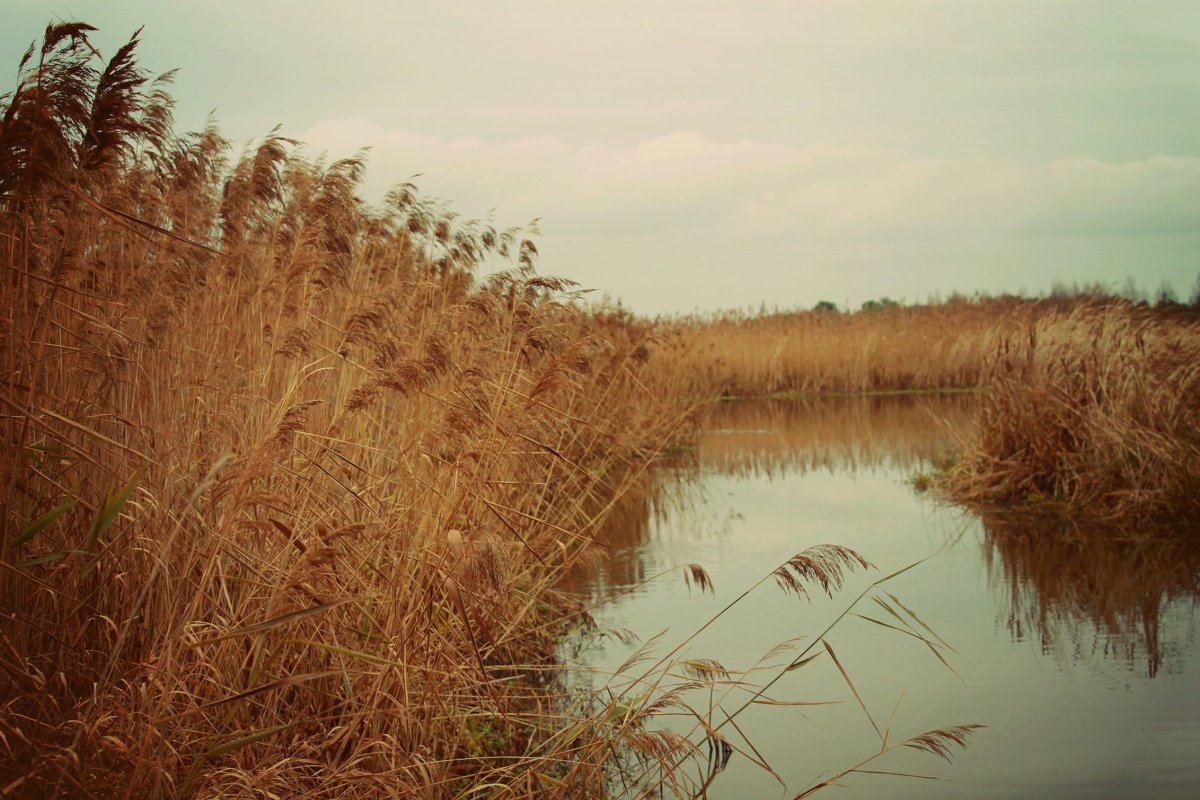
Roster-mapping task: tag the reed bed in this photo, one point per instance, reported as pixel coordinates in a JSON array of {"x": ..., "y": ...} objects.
[
  {"x": 1095, "y": 411},
  {"x": 890, "y": 349},
  {"x": 286, "y": 487}
]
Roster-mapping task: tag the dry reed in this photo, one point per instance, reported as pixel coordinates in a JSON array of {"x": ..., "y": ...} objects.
[
  {"x": 286, "y": 488},
  {"x": 1096, "y": 410},
  {"x": 895, "y": 349}
]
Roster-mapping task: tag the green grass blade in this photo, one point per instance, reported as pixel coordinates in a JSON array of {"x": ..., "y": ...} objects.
[
  {"x": 44, "y": 521},
  {"x": 292, "y": 680},
  {"x": 108, "y": 512},
  {"x": 347, "y": 652},
  {"x": 228, "y": 747},
  {"x": 242, "y": 741},
  {"x": 275, "y": 622},
  {"x": 46, "y": 559}
]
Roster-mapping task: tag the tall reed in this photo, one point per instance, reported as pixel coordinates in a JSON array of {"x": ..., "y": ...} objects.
[
  {"x": 242, "y": 411},
  {"x": 1096, "y": 410},
  {"x": 898, "y": 348}
]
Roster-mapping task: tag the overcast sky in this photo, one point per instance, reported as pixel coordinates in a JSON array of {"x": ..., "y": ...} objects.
[{"x": 703, "y": 155}]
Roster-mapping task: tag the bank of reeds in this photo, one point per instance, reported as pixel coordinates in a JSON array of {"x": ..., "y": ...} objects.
[
  {"x": 891, "y": 349},
  {"x": 286, "y": 488},
  {"x": 1095, "y": 411}
]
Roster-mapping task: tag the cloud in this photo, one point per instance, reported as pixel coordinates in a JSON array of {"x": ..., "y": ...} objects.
[
  {"x": 652, "y": 211},
  {"x": 684, "y": 181}
]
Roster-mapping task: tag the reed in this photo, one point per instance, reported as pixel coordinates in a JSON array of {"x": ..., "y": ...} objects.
[
  {"x": 893, "y": 349},
  {"x": 1096, "y": 411},
  {"x": 286, "y": 487}
]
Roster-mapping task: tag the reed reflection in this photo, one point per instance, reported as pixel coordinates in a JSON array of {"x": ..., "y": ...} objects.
[
  {"x": 772, "y": 438},
  {"x": 1083, "y": 594},
  {"x": 626, "y": 557},
  {"x": 1095, "y": 593},
  {"x": 766, "y": 439}
]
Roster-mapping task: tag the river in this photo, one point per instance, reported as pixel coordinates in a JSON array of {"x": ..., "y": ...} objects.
[{"x": 1076, "y": 648}]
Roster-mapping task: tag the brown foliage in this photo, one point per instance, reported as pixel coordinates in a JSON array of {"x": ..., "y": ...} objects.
[
  {"x": 308, "y": 393},
  {"x": 1096, "y": 409}
]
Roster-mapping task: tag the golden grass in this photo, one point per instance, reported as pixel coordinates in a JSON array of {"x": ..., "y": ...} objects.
[
  {"x": 921, "y": 348},
  {"x": 286, "y": 488},
  {"x": 1096, "y": 410}
]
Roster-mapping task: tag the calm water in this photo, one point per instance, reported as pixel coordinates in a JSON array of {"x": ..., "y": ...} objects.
[{"x": 1078, "y": 651}]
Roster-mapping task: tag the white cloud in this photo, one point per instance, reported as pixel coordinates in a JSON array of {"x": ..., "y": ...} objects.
[
  {"x": 711, "y": 203},
  {"x": 683, "y": 180}
]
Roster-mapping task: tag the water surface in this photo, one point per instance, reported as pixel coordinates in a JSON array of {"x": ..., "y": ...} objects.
[{"x": 1076, "y": 648}]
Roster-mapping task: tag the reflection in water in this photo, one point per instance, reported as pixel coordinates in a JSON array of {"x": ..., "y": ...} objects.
[
  {"x": 1102, "y": 593},
  {"x": 774, "y": 437},
  {"x": 768, "y": 478},
  {"x": 1099, "y": 592},
  {"x": 769, "y": 438},
  {"x": 668, "y": 492}
]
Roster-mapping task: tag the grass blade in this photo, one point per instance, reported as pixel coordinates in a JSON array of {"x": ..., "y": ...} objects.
[
  {"x": 44, "y": 521},
  {"x": 921, "y": 622},
  {"x": 850, "y": 683},
  {"x": 113, "y": 504},
  {"x": 275, "y": 622}
]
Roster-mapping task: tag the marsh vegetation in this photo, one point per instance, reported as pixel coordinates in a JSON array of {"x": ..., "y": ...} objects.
[{"x": 294, "y": 486}]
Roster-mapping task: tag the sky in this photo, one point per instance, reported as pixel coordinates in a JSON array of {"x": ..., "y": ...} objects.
[{"x": 696, "y": 156}]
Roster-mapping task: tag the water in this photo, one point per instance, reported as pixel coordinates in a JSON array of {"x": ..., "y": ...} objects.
[{"x": 1077, "y": 649}]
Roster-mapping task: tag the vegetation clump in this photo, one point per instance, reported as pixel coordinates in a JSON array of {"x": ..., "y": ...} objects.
[
  {"x": 286, "y": 484},
  {"x": 895, "y": 349},
  {"x": 1096, "y": 411}
]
